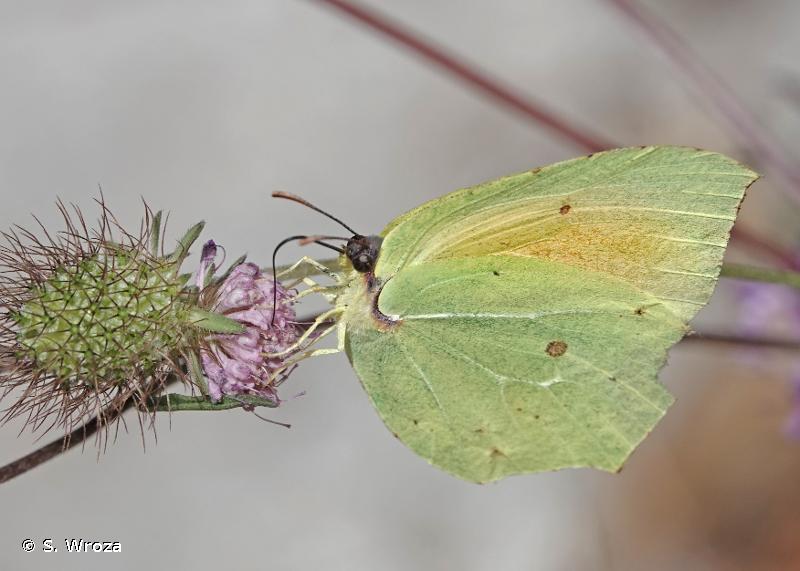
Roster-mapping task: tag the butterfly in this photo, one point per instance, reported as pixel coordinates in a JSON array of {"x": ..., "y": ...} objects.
[{"x": 519, "y": 325}]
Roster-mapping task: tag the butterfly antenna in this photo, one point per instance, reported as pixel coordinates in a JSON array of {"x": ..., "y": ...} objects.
[
  {"x": 304, "y": 202},
  {"x": 252, "y": 409},
  {"x": 303, "y": 240}
]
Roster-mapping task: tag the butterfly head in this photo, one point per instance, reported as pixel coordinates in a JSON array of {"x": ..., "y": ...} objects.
[{"x": 363, "y": 252}]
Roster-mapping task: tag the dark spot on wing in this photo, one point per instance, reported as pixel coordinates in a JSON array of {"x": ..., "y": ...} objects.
[
  {"x": 556, "y": 348},
  {"x": 495, "y": 272},
  {"x": 565, "y": 209},
  {"x": 496, "y": 454},
  {"x": 415, "y": 421},
  {"x": 639, "y": 311}
]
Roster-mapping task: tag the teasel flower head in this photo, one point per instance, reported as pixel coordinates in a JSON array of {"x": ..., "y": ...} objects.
[
  {"x": 245, "y": 363},
  {"x": 91, "y": 320}
]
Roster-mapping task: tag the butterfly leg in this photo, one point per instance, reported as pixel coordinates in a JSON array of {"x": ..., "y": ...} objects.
[
  {"x": 328, "y": 292},
  {"x": 316, "y": 269},
  {"x": 314, "y": 352},
  {"x": 320, "y": 320}
]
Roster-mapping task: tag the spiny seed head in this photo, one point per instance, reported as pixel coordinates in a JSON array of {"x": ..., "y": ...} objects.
[
  {"x": 103, "y": 320},
  {"x": 91, "y": 321}
]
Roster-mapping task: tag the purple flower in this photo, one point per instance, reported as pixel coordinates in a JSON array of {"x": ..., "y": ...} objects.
[
  {"x": 792, "y": 423},
  {"x": 207, "y": 257},
  {"x": 765, "y": 309},
  {"x": 237, "y": 364}
]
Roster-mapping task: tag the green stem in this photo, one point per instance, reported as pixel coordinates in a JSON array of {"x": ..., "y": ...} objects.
[
  {"x": 196, "y": 371},
  {"x": 756, "y": 274},
  {"x": 179, "y": 403}
]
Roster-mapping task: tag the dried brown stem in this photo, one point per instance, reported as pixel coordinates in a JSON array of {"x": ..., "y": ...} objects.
[
  {"x": 61, "y": 445},
  {"x": 80, "y": 435},
  {"x": 49, "y": 451}
]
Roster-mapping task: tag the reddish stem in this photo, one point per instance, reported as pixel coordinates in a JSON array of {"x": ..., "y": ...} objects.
[
  {"x": 749, "y": 240},
  {"x": 743, "y": 341},
  {"x": 741, "y": 121},
  {"x": 469, "y": 74}
]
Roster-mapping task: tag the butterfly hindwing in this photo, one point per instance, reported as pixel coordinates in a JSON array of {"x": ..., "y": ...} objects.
[{"x": 539, "y": 374}]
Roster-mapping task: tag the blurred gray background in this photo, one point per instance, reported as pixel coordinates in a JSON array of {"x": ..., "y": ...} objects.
[{"x": 204, "y": 108}]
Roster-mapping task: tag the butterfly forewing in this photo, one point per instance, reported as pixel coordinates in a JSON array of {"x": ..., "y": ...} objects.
[{"x": 658, "y": 217}]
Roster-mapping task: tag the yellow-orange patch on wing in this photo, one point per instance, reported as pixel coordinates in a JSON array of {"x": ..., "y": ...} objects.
[{"x": 632, "y": 250}]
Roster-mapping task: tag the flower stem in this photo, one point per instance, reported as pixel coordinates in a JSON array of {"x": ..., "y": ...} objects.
[
  {"x": 741, "y": 341},
  {"x": 756, "y": 274},
  {"x": 48, "y": 451},
  {"x": 61, "y": 445},
  {"x": 112, "y": 413},
  {"x": 109, "y": 414},
  {"x": 179, "y": 403}
]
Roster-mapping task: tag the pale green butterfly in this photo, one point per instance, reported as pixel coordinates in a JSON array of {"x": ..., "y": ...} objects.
[{"x": 518, "y": 326}]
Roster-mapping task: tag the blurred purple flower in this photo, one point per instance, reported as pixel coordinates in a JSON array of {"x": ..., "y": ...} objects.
[
  {"x": 765, "y": 308},
  {"x": 237, "y": 364},
  {"x": 792, "y": 424}
]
